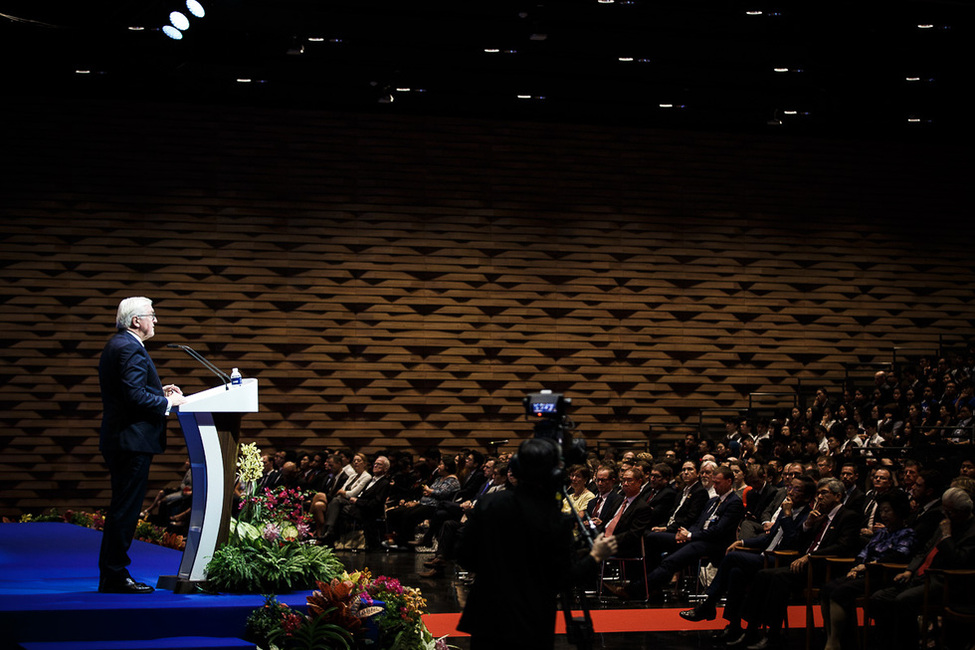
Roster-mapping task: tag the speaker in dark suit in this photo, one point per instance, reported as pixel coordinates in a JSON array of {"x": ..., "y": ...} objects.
[{"x": 135, "y": 405}]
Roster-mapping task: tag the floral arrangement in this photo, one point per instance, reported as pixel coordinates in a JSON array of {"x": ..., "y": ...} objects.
[
  {"x": 144, "y": 531},
  {"x": 266, "y": 552},
  {"x": 350, "y": 611},
  {"x": 274, "y": 514}
]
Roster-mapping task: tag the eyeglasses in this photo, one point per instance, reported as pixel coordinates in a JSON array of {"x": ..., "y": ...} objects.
[{"x": 153, "y": 316}]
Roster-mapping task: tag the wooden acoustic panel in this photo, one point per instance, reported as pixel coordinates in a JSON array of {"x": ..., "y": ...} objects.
[{"x": 399, "y": 282}]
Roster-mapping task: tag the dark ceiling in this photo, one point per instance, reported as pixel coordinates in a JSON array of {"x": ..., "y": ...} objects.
[{"x": 865, "y": 69}]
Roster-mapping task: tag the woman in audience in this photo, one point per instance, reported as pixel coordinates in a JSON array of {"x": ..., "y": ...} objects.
[
  {"x": 403, "y": 519},
  {"x": 892, "y": 543},
  {"x": 579, "y": 494}
]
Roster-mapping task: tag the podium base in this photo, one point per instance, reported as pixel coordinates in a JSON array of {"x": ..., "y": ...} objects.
[{"x": 179, "y": 585}]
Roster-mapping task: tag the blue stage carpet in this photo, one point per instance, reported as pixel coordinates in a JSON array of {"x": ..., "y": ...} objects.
[{"x": 49, "y": 594}]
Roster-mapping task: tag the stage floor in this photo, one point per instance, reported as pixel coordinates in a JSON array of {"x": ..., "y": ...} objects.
[{"x": 49, "y": 581}]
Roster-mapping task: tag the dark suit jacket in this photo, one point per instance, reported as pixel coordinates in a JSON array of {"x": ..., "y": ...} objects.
[
  {"x": 841, "y": 538},
  {"x": 630, "y": 528},
  {"x": 723, "y": 526},
  {"x": 759, "y": 500},
  {"x": 955, "y": 552},
  {"x": 613, "y": 500},
  {"x": 662, "y": 504},
  {"x": 134, "y": 417},
  {"x": 855, "y": 499},
  {"x": 372, "y": 500},
  {"x": 689, "y": 512},
  {"x": 791, "y": 527}
]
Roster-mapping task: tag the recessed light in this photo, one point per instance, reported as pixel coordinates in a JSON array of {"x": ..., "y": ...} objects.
[
  {"x": 781, "y": 69},
  {"x": 753, "y": 13},
  {"x": 195, "y": 8},
  {"x": 179, "y": 21},
  {"x": 626, "y": 59},
  {"x": 925, "y": 26},
  {"x": 491, "y": 50},
  {"x": 666, "y": 105}
]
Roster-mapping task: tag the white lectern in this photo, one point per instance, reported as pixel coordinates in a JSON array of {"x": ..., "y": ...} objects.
[{"x": 211, "y": 425}]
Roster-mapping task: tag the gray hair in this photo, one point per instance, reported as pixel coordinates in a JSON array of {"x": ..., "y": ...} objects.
[
  {"x": 835, "y": 485},
  {"x": 957, "y": 499},
  {"x": 128, "y": 309}
]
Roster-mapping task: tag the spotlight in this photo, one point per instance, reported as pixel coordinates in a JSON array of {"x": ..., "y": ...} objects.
[
  {"x": 179, "y": 21},
  {"x": 195, "y": 8},
  {"x": 172, "y": 32}
]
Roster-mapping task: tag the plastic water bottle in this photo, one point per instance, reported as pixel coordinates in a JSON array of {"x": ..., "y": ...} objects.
[{"x": 235, "y": 378}]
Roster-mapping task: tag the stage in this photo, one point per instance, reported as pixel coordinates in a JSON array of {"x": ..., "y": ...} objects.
[{"x": 49, "y": 601}]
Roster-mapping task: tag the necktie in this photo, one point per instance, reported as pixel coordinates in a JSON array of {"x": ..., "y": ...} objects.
[
  {"x": 819, "y": 536},
  {"x": 710, "y": 512},
  {"x": 616, "y": 518},
  {"x": 599, "y": 504},
  {"x": 928, "y": 559}
]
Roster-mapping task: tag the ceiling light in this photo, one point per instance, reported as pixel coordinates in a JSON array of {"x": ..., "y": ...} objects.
[
  {"x": 666, "y": 105},
  {"x": 626, "y": 59},
  {"x": 925, "y": 26},
  {"x": 179, "y": 21},
  {"x": 781, "y": 69},
  {"x": 753, "y": 13},
  {"x": 195, "y": 8},
  {"x": 136, "y": 29},
  {"x": 491, "y": 50},
  {"x": 172, "y": 32}
]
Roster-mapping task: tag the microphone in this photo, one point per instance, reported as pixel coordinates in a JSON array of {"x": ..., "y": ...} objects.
[{"x": 224, "y": 377}]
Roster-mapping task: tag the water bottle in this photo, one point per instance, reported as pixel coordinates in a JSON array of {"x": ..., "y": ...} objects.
[{"x": 235, "y": 378}]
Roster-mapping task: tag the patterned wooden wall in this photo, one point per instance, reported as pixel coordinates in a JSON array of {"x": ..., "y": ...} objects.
[{"x": 400, "y": 282}]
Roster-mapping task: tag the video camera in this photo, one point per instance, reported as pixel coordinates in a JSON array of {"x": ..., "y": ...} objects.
[{"x": 547, "y": 410}]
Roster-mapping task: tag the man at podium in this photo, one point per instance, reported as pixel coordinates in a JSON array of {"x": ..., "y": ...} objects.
[{"x": 135, "y": 405}]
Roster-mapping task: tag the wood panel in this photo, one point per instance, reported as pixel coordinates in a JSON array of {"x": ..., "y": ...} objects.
[{"x": 400, "y": 282}]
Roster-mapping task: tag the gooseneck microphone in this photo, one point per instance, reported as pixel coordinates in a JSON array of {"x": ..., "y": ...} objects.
[{"x": 224, "y": 377}]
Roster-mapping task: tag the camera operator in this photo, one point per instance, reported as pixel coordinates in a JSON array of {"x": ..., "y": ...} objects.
[{"x": 520, "y": 548}]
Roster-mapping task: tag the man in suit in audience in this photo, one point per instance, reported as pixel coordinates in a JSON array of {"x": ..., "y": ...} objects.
[
  {"x": 608, "y": 496},
  {"x": 745, "y": 558},
  {"x": 855, "y": 496},
  {"x": 631, "y": 517},
  {"x": 135, "y": 406},
  {"x": 713, "y": 532},
  {"x": 952, "y": 546},
  {"x": 690, "y": 501},
  {"x": 757, "y": 500},
  {"x": 661, "y": 497},
  {"x": 829, "y": 529}
]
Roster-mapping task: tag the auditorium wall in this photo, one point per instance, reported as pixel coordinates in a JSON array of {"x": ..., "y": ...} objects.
[{"x": 401, "y": 281}]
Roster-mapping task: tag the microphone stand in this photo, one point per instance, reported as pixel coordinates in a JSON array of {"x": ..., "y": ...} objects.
[{"x": 224, "y": 377}]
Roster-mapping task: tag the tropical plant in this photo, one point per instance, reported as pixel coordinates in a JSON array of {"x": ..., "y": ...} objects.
[{"x": 256, "y": 566}]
